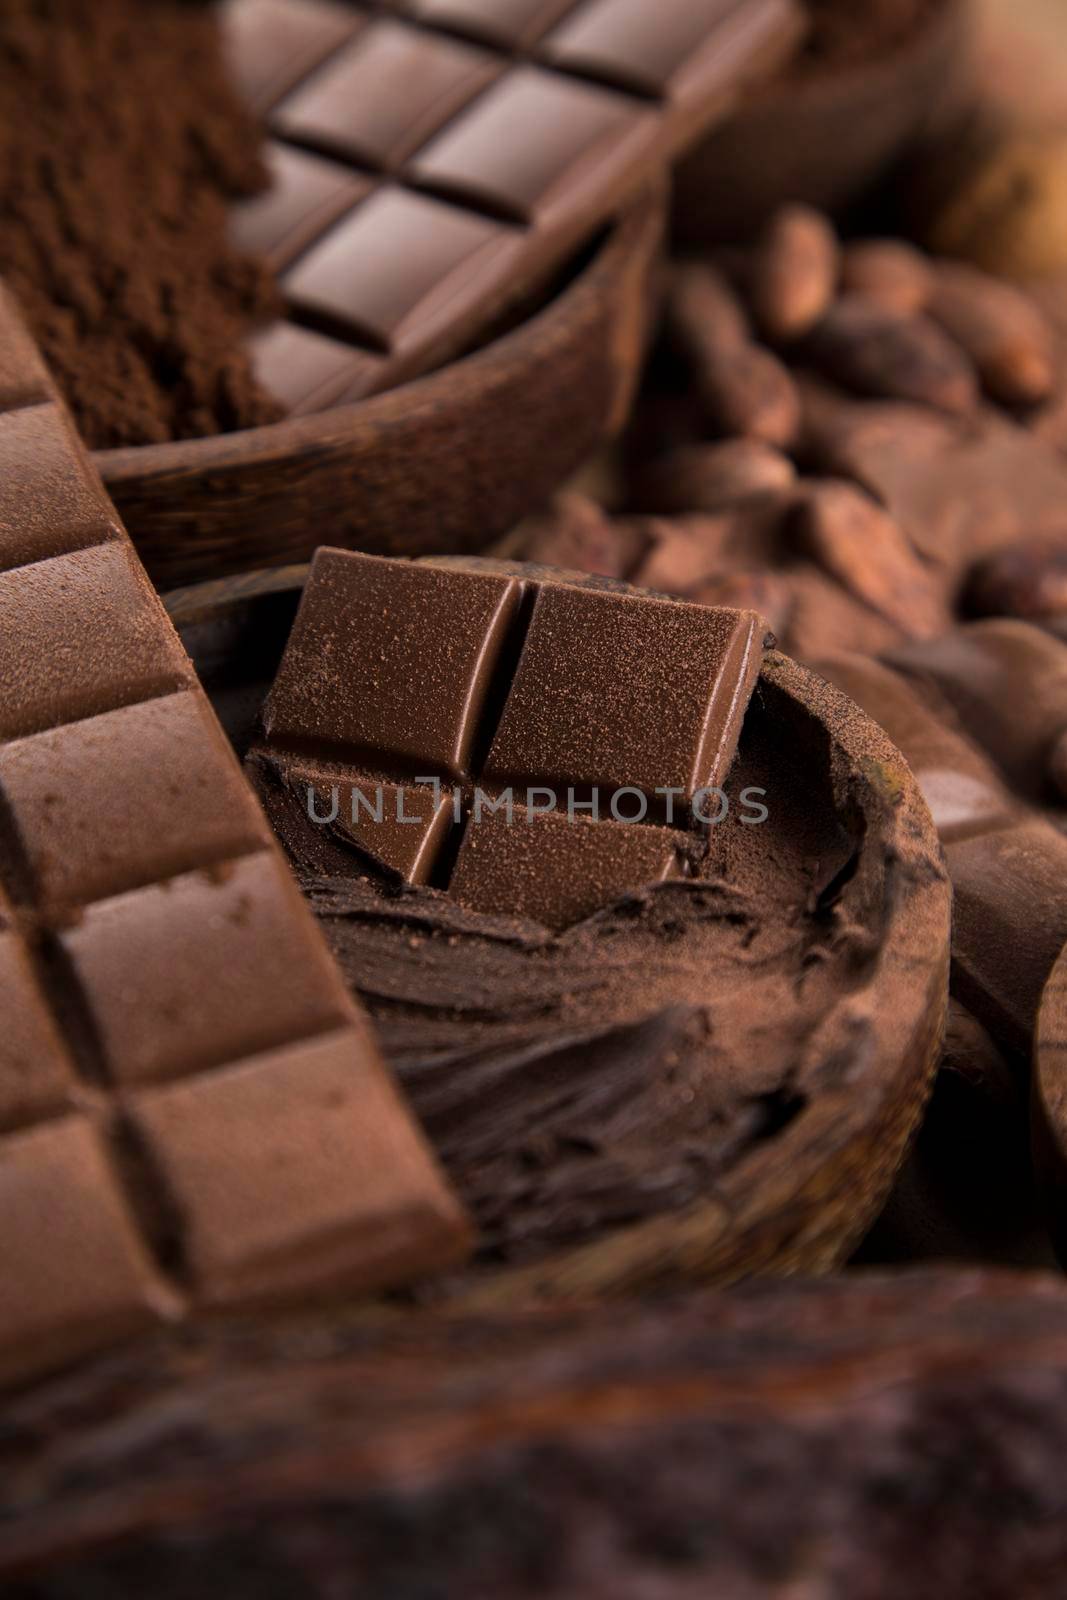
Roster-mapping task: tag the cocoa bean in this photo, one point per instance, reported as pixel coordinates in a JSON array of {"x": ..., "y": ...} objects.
[
  {"x": 1002, "y": 332},
  {"x": 1026, "y": 580},
  {"x": 795, "y": 270},
  {"x": 767, "y": 593},
  {"x": 877, "y": 352},
  {"x": 713, "y": 477},
  {"x": 704, "y": 312},
  {"x": 858, "y": 543},
  {"x": 890, "y": 272},
  {"x": 746, "y": 391},
  {"x": 575, "y": 533}
]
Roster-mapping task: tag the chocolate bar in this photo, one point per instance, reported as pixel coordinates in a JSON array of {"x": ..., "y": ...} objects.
[
  {"x": 192, "y": 1110},
  {"x": 434, "y": 162},
  {"x": 420, "y": 674}
]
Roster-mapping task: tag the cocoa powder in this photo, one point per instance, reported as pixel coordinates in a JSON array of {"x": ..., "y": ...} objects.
[{"x": 123, "y": 144}]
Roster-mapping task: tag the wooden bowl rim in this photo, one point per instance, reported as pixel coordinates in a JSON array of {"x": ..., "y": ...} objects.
[{"x": 955, "y": 21}]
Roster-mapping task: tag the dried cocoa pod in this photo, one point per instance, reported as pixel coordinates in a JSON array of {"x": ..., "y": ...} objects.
[
  {"x": 792, "y": 1439},
  {"x": 715, "y": 477},
  {"x": 794, "y": 273},
  {"x": 859, "y": 544},
  {"x": 575, "y": 533},
  {"x": 890, "y": 272},
  {"x": 1027, "y": 580},
  {"x": 878, "y": 353},
  {"x": 1002, "y": 331},
  {"x": 747, "y": 391}
]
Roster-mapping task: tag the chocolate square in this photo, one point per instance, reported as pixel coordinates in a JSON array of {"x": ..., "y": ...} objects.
[
  {"x": 535, "y": 146},
  {"x": 396, "y": 273},
  {"x": 81, "y": 634},
  {"x": 293, "y": 1174},
  {"x": 272, "y": 44},
  {"x": 202, "y": 970},
  {"x": 360, "y": 104},
  {"x": 616, "y": 691},
  {"x": 124, "y": 799},
  {"x": 393, "y": 669},
  {"x": 555, "y": 870}
]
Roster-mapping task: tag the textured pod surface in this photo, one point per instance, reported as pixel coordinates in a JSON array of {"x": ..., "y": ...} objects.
[{"x": 870, "y": 1436}]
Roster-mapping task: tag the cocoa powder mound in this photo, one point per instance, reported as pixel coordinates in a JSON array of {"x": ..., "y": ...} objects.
[{"x": 123, "y": 145}]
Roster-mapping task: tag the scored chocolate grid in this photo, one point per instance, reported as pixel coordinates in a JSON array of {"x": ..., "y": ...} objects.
[
  {"x": 78, "y": 1127},
  {"x": 396, "y": 672},
  {"x": 645, "y": 109}
]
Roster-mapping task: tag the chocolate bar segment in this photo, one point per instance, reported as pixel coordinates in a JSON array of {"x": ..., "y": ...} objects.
[
  {"x": 559, "y": 871},
  {"x": 287, "y": 1177},
  {"x": 150, "y": 932},
  {"x": 306, "y": 196},
  {"x": 46, "y": 506},
  {"x": 36, "y": 1075},
  {"x": 399, "y": 269},
  {"x": 275, "y": 43},
  {"x": 125, "y": 799},
  {"x": 533, "y": 119},
  {"x": 309, "y": 371},
  {"x": 506, "y": 22},
  {"x": 392, "y": 663},
  {"x": 384, "y": 95},
  {"x": 81, "y": 634},
  {"x": 536, "y": 732},
  {"x": 650, "y": 695},
  {"x": 207, "y": 968},
  {"x": 76, "y": 1272},
  {"x": 579, "y": 141}
]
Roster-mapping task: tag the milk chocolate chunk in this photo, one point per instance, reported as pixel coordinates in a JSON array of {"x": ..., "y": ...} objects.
[
  {"x": 399, "y": 269},
  {"x": 392, "y": 662},
  {"x": 507, "y": 22},
  {"x": 310, "y": 371},
  {"x": 658, "y": 703},
  {"x": 149, "y": 931},
  {"x": 401, "y": 829},
  {"x": 559, "y": 870},
  {"x": 614, "y": 706},
  {"x": 48, "y": 507},
  {"x": 81, "y": 634}
]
